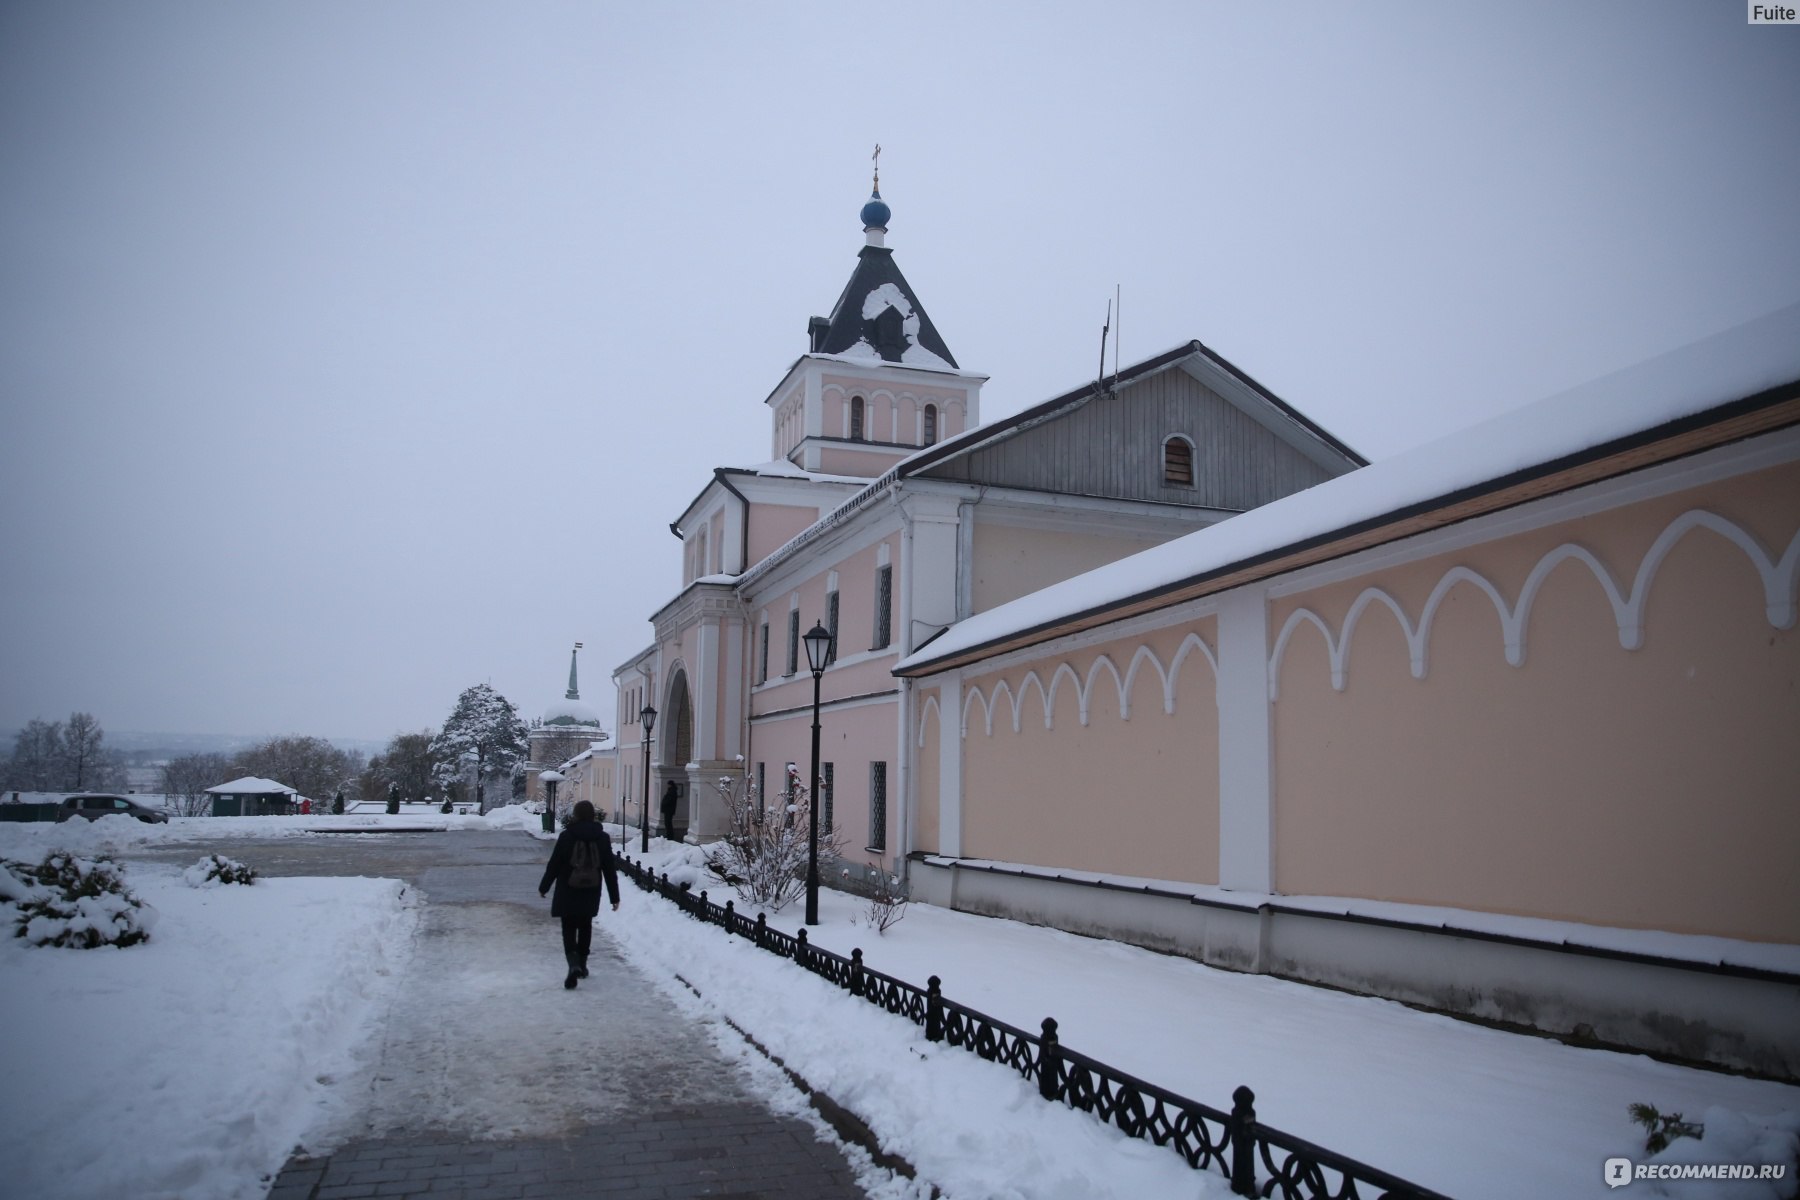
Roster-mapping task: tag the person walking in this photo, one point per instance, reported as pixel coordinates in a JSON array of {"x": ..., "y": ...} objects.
[
  {"x": 670, "y": 795},
  {"x": 580, "y": 862}
]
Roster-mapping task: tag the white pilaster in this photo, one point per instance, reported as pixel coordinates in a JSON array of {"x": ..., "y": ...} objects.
[
  {"x": 704, "y": 691},
  {"x": 1246, "y": 791},
  {"x": 732, "y": 741},
  {"x": 950, "y": 750}
]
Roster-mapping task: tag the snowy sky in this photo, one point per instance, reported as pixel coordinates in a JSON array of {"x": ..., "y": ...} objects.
[{"x": 353, "y": 354}]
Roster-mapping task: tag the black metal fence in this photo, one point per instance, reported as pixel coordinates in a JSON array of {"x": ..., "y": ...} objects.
[{"x": 1258, "y": 1160}]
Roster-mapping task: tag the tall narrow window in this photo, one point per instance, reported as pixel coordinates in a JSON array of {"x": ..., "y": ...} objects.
[
  {"x": 856, "y": 418},
  {"x": 831, "y": 622},
  {"x": 884, "y": 606},
  {"x": 878, "y": 806},
  {"x": 931, "y": 430},
  {"x": 827, "y": 785},
  {"x": 762, "y": 668},
  {"x": 793, "y": 663},
  {"x": 1178, "y": 462}
]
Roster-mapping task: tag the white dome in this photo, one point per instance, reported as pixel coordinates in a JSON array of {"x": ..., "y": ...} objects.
[{"x": 571, "y": 713}]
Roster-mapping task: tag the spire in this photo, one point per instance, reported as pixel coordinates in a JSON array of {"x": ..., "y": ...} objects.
[
  {"x": 875, "y": 213},
  {"x": 878, "y": 317},
  {"x": 574, "y": 692}
]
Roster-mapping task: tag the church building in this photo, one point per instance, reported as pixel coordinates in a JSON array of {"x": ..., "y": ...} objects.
[
  {"x": 886, "y": 512},
  {"x": 1506, "y": 726}
]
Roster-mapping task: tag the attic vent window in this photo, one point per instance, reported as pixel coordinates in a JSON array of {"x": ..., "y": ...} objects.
[
  {"x": 856, "y": 418},
  {"x": 1178, "y": 462},
  {"x": 890, "y": 334}
]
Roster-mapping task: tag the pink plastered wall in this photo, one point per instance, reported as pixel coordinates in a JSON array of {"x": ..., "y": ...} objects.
[
  {"x": 1652, "y": 787},
  {"x": 1132, "y": 792}
]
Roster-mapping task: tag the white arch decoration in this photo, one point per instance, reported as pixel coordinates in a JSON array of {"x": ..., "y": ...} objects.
[
  {"x": 1780, "y": 580},
  {"x": 1032, "y": 680},
  {"x": 986, "y": 713},
  {"x": 1169, "y": 677},
  {"x": 931, "y": 709}
]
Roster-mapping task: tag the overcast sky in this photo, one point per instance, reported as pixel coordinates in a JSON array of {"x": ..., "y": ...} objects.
[{"x": 354, "y": 353}]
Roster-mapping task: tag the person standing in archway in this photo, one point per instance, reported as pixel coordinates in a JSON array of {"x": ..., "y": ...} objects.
[
  {"x": 580, "y": 863},
  {"x": 670, "y": 796}
]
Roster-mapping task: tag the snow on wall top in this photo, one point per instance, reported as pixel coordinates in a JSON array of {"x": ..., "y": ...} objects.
[{"x": 1740, "y": 362}]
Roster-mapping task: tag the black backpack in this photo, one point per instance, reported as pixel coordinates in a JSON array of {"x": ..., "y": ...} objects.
[{"x": 584, "y": 865}]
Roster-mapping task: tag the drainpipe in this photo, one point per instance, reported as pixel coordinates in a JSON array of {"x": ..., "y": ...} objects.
[{"x": 903, "y": 755}]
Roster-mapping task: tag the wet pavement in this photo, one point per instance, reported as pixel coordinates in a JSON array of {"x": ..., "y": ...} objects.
[{"x": 490, "y": 1081}]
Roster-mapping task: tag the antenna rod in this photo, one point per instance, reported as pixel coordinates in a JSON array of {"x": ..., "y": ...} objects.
[
  {"x": 1104, "y": 330},
  {"x": 1119, "y": 308}
]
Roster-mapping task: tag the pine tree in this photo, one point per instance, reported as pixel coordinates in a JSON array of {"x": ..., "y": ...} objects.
[{"x": 484, "y": 727}]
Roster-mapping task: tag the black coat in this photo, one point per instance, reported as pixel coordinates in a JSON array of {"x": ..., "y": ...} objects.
[
  {"x": 579, "y": 902},
  {"x": 669, "y": 797}
]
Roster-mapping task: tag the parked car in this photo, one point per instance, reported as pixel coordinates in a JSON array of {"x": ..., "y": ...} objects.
[{"x": 93, "y": 807}]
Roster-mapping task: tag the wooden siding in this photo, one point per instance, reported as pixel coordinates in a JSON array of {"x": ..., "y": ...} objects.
[{"x": 1113, "y": 447}]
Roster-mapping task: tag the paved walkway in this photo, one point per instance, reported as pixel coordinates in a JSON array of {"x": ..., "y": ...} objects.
[{"x": 492, "y": 1082}]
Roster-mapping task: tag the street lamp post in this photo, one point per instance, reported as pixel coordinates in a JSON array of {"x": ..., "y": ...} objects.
[
  {"x": 550, "y": 779},
  {"x": 648, "y": 717},
  {"x": 818, "y": 650}
]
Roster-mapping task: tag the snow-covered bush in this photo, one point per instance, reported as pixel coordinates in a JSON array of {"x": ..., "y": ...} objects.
[
  {"x": 216, "y": 869},
  {"x": 70, "y": 901},
  {"x": 1664, "y": 1128},
  {"x": 763, "y": 853}
]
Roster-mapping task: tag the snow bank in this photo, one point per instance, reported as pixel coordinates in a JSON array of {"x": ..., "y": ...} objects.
[
  {"x": 1465, "y": 1110},
  {"x": 31, "y": 839},
  {"x": 189, "y": 1066},
  {"x": 971, "y": 1128}
]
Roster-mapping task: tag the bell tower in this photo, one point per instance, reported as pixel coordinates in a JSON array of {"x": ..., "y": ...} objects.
[{"x": 877, "y": 381}]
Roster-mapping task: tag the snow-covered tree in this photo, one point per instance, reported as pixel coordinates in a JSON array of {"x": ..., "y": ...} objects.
[{"x": 484, "y": 728}]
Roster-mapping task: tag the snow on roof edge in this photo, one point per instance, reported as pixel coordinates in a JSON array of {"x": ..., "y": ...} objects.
[{"x": 1729, "y": 366}]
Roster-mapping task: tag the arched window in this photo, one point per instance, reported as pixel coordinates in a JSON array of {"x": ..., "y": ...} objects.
[
  {"x": 931, "y": 428},
  {"x": 856, "y": 418},
  {"x": 1178, "y": 462}
]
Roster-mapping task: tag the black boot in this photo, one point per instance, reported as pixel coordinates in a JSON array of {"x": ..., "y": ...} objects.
[
  {"x": 581, "y": 966},
  {"x": 575, "y": 972}
]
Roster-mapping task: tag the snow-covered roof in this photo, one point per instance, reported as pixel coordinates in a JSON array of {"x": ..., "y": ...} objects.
[
  {"x": 920, "y": 460},
  {"x": 781, "y": 468},
  {"x": 878, "y": 316},
  {"x": 253, "y": 785},
  {"x": 1699, "y": 385}
]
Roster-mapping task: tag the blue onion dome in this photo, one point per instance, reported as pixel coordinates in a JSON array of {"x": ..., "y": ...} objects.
[{"x": 875, "y": 213}]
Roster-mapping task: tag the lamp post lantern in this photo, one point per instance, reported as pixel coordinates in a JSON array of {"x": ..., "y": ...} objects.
[
  {"x": 550, "y": 779},
  {"x": 818, "y": 650},
  {"x": 648, "y": 717}
]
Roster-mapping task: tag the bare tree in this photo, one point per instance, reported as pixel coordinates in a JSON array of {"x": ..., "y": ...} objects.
[
  {"x": 410, "y": 762},
  {"x": 83, "y": 758},
  {"x": 764, "y": 851},
  {"x": 312, "y": 766},
  {"x": 187, "y": 777},
  {"x": 36, "y": 763}
]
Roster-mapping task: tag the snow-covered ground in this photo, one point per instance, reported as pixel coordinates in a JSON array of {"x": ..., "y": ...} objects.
[
  {"x": 1466, "y": 1110},
  {"x": 189, "y": 1066},
  {"x": 196, "y": 1061}
]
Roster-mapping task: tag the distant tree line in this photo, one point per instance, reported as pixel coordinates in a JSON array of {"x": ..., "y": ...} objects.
[
  {"x": 481, "y": 746},
  {"x": 62, "y": 756}
]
